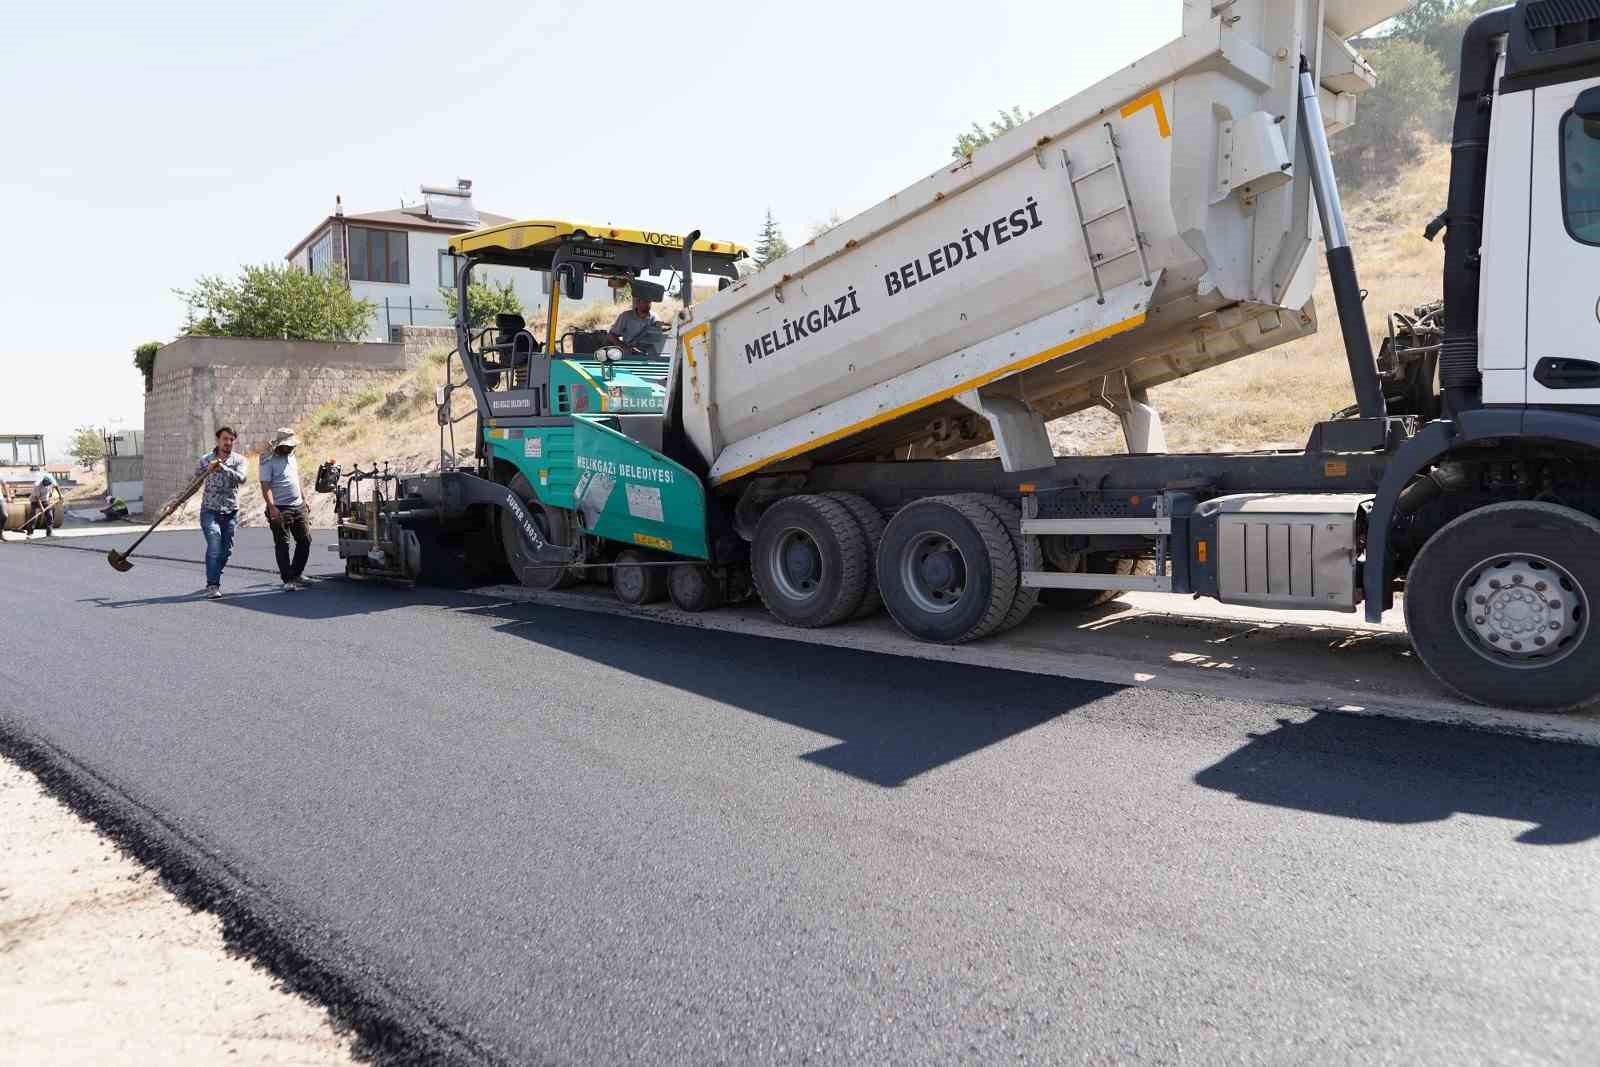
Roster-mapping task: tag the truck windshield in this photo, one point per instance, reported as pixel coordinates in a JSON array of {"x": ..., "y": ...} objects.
[{"x": 1580, "y": 177}]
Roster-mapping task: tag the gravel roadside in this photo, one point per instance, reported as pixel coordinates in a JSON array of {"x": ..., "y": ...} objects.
[{"x": 99, "y": 963}]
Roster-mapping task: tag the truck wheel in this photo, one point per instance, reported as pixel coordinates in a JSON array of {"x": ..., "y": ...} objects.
[
  {"x": 810, "y": 561},
  {"x": 555, "y": 525},
  {"x": 634, "y": 584},
  {"x": 1010, "y": 517},
  {"x": 870, "y": 520},
  {"x": 693, "y": 587},
  {"x": 1084, "y": 599},
  {"x": 947, "y": 570},
  {"x": 1498, "y": 605}
]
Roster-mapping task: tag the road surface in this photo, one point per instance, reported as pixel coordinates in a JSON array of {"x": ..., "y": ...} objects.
[{"x": 504, "y": 833}]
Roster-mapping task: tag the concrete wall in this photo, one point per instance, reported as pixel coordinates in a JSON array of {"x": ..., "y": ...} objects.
[
  {"x": 255, "y": 386},
  {"x": 125, "y": 478}
]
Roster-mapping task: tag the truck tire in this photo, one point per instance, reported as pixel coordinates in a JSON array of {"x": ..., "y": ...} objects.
[
  {"x": 693, "y": 587},
  {"x": 809, "y": 560},
  {"x": 947, "y": 569},
  {"x": 1010, "y": 517},
  {"x": 1084, "y": 599},
  {"x": 555, "y": 525},
  {"x": 1499, "y": 606},
  {"x": 637, "y": 585},
  {"x": 870, "y": 519}
]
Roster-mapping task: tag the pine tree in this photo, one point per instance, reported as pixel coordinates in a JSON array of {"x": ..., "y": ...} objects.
[{"x": 770, "y": 245}]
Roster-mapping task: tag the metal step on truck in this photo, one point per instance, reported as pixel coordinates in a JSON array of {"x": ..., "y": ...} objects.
[{"x": 796, "y": 438}]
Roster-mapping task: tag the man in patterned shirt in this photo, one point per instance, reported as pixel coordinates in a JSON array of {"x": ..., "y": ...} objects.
[{"x": 225, "y": 472}]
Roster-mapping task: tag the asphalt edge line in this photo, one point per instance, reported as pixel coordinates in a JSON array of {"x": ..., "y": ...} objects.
[
  {"x": 1537, "y": 726},
  {"x": 389, "y": 1028}
]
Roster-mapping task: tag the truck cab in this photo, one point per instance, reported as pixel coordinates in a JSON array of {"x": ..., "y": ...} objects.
[{"x": 1540, "y": 298}]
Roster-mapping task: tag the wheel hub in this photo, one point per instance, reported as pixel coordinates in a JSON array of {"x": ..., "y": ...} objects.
[
  {"x": 940, "y": 570},
  {"x": 934, "y": 573},
  {"x": 1522, "y": 608},
  {"x": 631, "y": 579},
  {"x": 797, "y": 565}
]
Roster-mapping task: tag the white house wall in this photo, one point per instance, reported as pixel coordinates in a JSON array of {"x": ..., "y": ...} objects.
[{"x": 419, "y": 303}]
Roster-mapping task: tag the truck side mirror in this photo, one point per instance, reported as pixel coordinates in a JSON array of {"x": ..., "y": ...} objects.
[
  {"x": 1588, "y": 107},
  {"x": 572, "y": 281}
]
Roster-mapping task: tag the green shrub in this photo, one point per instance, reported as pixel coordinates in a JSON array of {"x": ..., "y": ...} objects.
[
  {"x": 977, "y": 136},
  {"x": 328, "y": 417},
  {"x": 1392, "y": 119},
  {"x": 366, "y": 397},
  {"x": 276, "y": 301},
  {"x": 144, "y": 357},
  {"x": 485, "y": 300}
]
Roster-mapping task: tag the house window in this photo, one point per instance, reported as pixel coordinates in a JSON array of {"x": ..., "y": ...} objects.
[
  {"x": 378, "y": 256},
  {"x": 1580, "y": 177},
  {"x": 449, "y": 270},
  {"x": 320, "y": 254}
]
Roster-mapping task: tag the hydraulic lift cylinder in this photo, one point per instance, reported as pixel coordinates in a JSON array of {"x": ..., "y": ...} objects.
[{"x": 1341, "y": 263}]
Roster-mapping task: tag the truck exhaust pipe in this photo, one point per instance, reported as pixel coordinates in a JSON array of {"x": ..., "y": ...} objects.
[
  {"x": 686, "y": 293},
  {"x": 1459, "y": 377},
  {"x": 1341, "y": 262}
]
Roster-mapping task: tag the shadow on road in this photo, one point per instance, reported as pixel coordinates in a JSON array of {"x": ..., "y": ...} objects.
[
  {"x": 895, "y": 718},
  {"x": 324, "y": 599},
  {"x": 1392, "y": 772}
]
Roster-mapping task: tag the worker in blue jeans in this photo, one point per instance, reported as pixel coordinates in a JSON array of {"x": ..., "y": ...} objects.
[
  {"x": 225, "y": 472},
  {"x": 286, "y": 507}
]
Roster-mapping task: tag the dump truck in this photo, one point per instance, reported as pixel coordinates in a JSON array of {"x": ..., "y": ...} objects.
[{"x": 801, "y": 439}]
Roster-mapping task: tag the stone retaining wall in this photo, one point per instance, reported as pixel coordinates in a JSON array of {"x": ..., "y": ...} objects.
[{"x": 255, "y": 386}]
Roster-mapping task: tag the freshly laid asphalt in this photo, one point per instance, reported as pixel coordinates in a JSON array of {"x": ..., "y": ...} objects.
[{"x": 502, "y": 833}]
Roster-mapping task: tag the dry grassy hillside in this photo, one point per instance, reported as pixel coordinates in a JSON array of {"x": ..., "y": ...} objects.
[
  {"x": 1268, "y": 399},
  {"x": 1272, "y": 398}
]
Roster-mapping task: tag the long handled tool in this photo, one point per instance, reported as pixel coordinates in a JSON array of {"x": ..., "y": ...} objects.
[
  {"x": 119, "y": 560},
  {"x": 39, "y": 513}
]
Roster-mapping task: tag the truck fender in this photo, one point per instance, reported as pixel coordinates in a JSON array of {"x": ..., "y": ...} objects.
[{"x": 1424, "y": 450}]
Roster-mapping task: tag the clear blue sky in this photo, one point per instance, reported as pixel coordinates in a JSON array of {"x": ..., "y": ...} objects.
[{"x": 147, "y": 144}]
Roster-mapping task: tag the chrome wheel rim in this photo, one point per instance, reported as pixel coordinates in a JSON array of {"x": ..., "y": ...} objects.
[{"x": 1521, "y": 611}]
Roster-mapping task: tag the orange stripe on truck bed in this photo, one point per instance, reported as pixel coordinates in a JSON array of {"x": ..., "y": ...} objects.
[{"x": 1150, "y": 99}]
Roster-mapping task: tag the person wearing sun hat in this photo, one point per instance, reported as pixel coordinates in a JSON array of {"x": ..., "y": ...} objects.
[{"x": 286, "y": 507}]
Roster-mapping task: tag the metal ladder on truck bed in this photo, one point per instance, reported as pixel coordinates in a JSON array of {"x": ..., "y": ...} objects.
[{"x": 1099, "y": 260}]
